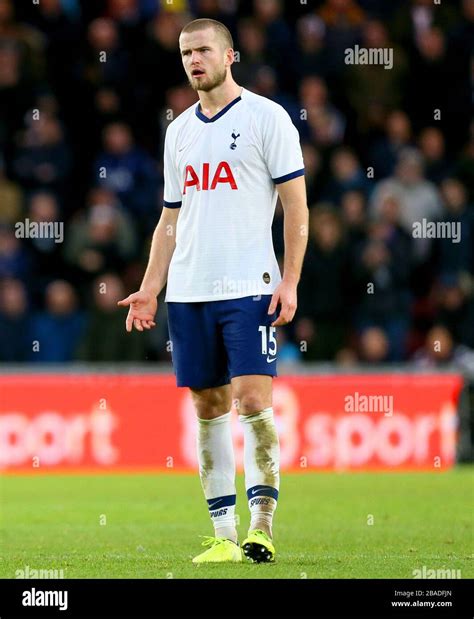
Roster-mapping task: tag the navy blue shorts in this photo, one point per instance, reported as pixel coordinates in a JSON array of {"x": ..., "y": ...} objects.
[{"x": 213, "y": 341}]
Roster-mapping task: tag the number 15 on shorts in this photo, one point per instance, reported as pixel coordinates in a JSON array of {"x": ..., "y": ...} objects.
[{"x": 269, "y": 343}]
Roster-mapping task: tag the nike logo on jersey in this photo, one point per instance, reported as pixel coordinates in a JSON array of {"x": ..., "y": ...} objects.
[{"x": 269, "y": 360}]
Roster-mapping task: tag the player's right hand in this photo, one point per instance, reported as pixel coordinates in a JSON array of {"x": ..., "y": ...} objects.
[{"x": 143, "y": 306}]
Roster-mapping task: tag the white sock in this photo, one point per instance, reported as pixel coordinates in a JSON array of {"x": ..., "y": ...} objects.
[
  {"x": 217, "y": 472},
  {"x": 262, "y": 467}
]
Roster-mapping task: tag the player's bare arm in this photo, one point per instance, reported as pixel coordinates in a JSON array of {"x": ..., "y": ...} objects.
[
  {"x": 143, "y": 304},
  {"x": 293, "y": 198}
]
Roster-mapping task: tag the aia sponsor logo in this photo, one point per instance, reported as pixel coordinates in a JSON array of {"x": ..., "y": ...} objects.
[{"x": 222, "y": 175}]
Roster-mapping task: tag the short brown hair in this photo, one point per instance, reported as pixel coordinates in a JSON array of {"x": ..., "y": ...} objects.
[{"x": 218, "y": 27}]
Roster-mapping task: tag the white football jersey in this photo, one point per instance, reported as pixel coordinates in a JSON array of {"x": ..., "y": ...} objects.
[{"x": 222, "y": 173}]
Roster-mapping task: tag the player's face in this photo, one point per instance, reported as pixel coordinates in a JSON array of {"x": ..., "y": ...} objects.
[{"x": 204, "y": 59}]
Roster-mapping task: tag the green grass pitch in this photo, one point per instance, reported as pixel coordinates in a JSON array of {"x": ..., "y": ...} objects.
[{"x": 153, "y": 523}]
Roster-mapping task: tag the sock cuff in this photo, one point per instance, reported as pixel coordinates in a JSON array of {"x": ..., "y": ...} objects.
[
  {"x": 225, "y": 418},
  {"x": 221, "y": 501},
  {"x": 266, "y": 413},
  {"x": 261, "y": 490}
]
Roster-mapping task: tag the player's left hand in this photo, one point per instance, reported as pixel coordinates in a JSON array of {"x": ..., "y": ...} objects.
[{"x": 285, "y": 295}]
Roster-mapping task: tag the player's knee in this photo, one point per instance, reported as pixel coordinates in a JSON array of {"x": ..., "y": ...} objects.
[
  {"x": 209, "y": 403},
  {"x": 251, "y": 402},
  {"x": 209, "y": 413}
]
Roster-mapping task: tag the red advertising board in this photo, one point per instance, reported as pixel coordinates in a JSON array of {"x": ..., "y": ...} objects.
[{"x": 107, "y": 422}]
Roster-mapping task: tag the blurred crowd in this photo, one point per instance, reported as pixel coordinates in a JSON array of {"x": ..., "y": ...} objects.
[{"x": 81, "y": 142}]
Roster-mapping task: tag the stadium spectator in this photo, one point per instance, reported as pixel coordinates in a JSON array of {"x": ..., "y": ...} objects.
[
  {"x": 158, "y": 49},
  {"x": 27, "y": 40},
  {"x": 385, "y": 151},
  {"x": 106, "y": 61},
  {"x": 265, "y": 83},
  {"x": 376, "y": 87},
  {"x": 313, "y": 171},
  {"x": 343, "y": 20},
  {"x": 453, "y": 303},
  {"x": 101, "y": 238},
  {"x": 461, "y": 38},
  {"x": 346, "y": 175},
  {"x": 253, "y": 53},
  {"x": 464, "y": 167},
  {"x": 215, "y": 9},
  {"x": 278, "y": 231},
  {"x": 414, "y": 18},
  {"x": 14, "y": 259},
  {"x": 382, "y": 274},
  {"x": 373, "y": 346},
  {"x": 440, "y": 350},
  {"x": 323, "y": 285},
  {"x": 11, "y": 198},
  {"x": 280, "y": 45},
  {"x": 419, "y": 199},
  {"x": 129, "y": 172},
  {"x": 326, "y": 124},
  {"x": 178, "y": 99},
  {"x": 313, "y": 56},
  {"x": 42, "y": 159},
  {"x": 107, "y": 108},
  {"x": 127, "y": 15},
  {"x": 45, "y": 248},
  {"x": 105, "y": 339},
  {"x": 158, "y": 344},
  {"x": 288, "y": 351},
  {"x": 57, "y": 330},
  {"x": 62, "y": 39},
  {"x": 456, "y": 248},
  {"x": 431, "y": 84},
  {"x": 15, "y": 322},
  {"x": 16, "y": 92},
  {"x": 353, "y": 213},
  {"x": 432, "y": 146}
]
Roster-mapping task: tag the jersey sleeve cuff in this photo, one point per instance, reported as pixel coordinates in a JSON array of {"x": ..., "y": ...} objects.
[
  {"x": 171, "y": 204},
  {"x": 288, "y": 177}
]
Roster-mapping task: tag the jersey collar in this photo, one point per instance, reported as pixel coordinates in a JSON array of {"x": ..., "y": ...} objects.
[{"x": 205, "y": 119}]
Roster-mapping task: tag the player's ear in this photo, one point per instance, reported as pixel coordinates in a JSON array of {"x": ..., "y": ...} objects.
[{"x": 230, "y": 56}]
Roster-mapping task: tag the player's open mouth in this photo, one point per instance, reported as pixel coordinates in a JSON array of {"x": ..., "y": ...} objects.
[{"x": 198, "y": 73}]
